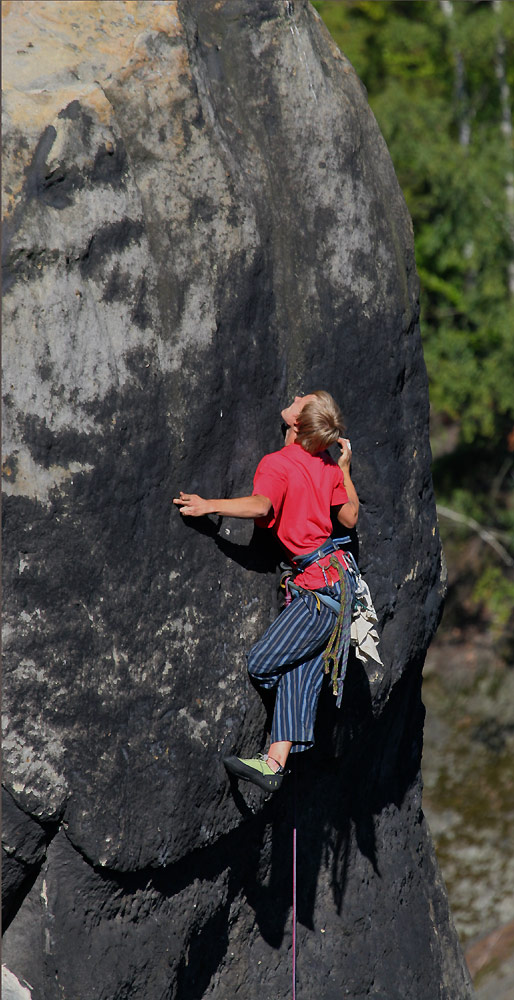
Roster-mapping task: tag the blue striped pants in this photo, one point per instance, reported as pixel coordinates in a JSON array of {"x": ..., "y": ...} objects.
[{"x": 288, "y": 657}]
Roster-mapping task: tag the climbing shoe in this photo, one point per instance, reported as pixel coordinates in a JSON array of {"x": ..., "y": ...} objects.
[{"x": 256, "y": 770}]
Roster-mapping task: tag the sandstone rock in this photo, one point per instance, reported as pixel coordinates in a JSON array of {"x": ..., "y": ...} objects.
[
  {"x": 201, "y": 219},
  {"x": 23, "y": 851}
]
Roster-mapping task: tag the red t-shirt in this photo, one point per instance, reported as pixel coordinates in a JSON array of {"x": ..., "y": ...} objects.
[{"x": 302, "y": 489}]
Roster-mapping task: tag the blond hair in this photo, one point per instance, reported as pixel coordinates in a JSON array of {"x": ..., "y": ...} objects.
[{"x": 320, "y": 423}]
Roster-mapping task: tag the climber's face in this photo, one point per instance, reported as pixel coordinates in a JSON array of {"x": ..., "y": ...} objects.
[{"x": 291, "y": 413}]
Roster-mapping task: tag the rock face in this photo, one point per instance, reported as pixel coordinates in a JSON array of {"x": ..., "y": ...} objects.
[{"x": 201, "y": 220}]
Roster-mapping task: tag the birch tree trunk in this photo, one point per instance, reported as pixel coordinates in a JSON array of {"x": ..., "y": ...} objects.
[
  {"x": 506, "y": 127},
  {"x": 460, "y": 90}
]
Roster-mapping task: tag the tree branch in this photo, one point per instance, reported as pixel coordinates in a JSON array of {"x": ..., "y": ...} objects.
[{"x": 485, "y": 533}]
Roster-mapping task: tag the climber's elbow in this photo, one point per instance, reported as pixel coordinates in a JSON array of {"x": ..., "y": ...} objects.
[
  {"x": 348, "y": 514},
  {"x": 262, "y": 505}
]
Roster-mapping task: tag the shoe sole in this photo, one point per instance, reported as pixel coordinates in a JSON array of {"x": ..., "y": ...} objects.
[{"x": 268, "y": 783}]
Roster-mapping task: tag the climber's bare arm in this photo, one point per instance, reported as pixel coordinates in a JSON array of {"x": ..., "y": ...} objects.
[
  {"x": 348, "y": 512},
  {"x": 191, "y": 505}
]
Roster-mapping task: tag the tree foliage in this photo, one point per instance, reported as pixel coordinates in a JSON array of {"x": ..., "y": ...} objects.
[
  {"x": 440, "y": 81},
  {"x": 432, "y": 83}
]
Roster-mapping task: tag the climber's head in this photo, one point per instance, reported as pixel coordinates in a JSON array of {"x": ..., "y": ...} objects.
[
  {"x": 315, "y": 421},
  {"x": 291, "y": 413}
]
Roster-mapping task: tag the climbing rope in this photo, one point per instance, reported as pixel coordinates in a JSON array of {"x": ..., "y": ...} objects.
[
  {"x": 294, "y": 885},
  {"x": 339, "y": 642},
  {"x": 335, "y": 653}
]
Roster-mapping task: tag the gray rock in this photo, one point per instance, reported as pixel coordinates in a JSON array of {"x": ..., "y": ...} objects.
[
  {"x": 24, "y": 844},
  {"x": 202, "y": 218}
]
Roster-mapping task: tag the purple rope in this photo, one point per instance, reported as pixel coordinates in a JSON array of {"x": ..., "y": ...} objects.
[{"x": 294, "y": 886}]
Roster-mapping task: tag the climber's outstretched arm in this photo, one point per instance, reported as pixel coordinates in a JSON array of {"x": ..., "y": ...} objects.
[{"x": 191, "y": 505}]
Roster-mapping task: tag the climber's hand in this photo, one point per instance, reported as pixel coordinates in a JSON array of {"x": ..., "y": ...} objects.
[
  {"x": 346, "y": 453},
  {"x": 191, "y": 505}
]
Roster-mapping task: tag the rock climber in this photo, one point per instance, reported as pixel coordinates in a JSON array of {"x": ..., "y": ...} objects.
[{"x": 295, "y": 492}]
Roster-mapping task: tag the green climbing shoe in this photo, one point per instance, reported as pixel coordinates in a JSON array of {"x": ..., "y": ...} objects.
[{"x": 256, "y": 770}]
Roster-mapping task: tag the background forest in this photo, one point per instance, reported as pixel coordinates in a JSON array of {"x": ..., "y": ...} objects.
[{"x": 440, "y": 81}]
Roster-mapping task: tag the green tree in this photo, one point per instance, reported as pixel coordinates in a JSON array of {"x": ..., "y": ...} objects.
[{"x": 440, "y": 81}]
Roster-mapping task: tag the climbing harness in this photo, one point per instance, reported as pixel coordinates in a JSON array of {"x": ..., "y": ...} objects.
[
  {"x": 339, "y": 641},
  {"x": 355, "y": 613},
  {"x": 300, "y": 563}
]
